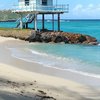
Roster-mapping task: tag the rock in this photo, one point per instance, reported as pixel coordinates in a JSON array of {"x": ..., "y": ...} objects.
[
  {"x": 65, "y": 39},
  {"x": 32, "y": 37},
  {"x": 90, "y": 39},
  {"x": 93, "y": 43},
  {"x": 38, "y": 37},
  {"x": 35, "y": 37},
  {"x": 53, "y": 37},
  {"x": 59, "y": 37},
  {"x": 82, "y": 38},
  {"x": 46, "y": 38}
]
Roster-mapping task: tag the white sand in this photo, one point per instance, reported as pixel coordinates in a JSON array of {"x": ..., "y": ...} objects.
[{"x": 19, "y": 84}]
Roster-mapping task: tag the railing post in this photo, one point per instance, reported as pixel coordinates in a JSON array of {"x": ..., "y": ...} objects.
[
  {"x": 58, "y": 21},
  {"x": 35, "y": 21},
  {"x": 53, "y": 22},
  {"x": 21, "y": 22},
  {"x": 43, "y": 22}
]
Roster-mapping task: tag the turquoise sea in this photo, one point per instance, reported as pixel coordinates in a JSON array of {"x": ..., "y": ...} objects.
[{"x": 82, "y": 59}]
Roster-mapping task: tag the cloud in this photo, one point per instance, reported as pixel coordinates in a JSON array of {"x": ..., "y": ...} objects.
[
  {"x": 78, "y": 7},
  {"x": 89, "y": 10}
]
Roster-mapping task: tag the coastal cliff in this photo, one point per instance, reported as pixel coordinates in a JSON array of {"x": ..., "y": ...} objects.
[{"x": 49, "y": 36}]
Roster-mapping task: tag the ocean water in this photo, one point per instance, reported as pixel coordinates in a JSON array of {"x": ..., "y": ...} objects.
[{"x": 82, "y": 59}]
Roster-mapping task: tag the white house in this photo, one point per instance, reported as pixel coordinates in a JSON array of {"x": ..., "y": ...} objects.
[
  {"x": 39, "y": 7},
  {"x": 35, "y": 2},
  {"x": 34, "y": 5}
]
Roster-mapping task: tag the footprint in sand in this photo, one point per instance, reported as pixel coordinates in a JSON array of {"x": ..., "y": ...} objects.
[
  {"x": 42, "y": 92},
  {"x": 33, "y": 89},
  {"x": 45, "y": 97}
]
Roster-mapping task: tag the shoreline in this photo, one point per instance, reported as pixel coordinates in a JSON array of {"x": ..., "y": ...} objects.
[
  {"x": 75, "y": 72},
  {"x": 73, "y": 75},
  {"x": 93, "y": 75},
  {"x": 43, "y": 76},
  {"x": 49, "y": 70},
  {"x": 60, "y": 72}
]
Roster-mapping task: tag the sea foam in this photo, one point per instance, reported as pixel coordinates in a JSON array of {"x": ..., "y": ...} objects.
[
  {"x": 99, "y": 44},
  {"x": 57, "y": 64}
]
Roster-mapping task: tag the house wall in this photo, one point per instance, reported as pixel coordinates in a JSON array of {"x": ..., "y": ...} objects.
[
  {"x": 38, "y": 2},
  {"x": 49, "y": 2},
  {"x": 22, "y": 2},
  {"x": 33, "y": 4}
]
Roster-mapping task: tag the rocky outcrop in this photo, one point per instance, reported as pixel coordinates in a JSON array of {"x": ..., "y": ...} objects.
[
  {"x": 48, "y": 36},
  {"x": 58, "y": 37}
]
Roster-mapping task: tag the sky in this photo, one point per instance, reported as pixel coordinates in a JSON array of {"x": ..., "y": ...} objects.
[{"x": 78, "y": 9}]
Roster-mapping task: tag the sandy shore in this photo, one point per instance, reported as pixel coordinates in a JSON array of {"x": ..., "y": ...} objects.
[{"x": 19, "y": 82}]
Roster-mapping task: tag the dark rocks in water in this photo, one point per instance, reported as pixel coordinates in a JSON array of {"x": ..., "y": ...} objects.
[
  {"x": 45, "y": 37},
  {"x": 90, "y": 39},
  {"x": 38, "y": 37},
  {"x": 93, "y": 43},
  {"x": 35, "y": 37},
  {"x": 31, "y": 38},
  {"x": 58, "y": 37},
  {"x": 82, "y": 38}
]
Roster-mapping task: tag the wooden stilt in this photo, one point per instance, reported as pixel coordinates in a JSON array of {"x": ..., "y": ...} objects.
[
  {"x": 43, "y": 22},
  {"x": 58, "y": 22},
  {"x": 26, "y": 25},
  {"x": 53, "y": 22},
  {"x": 21, "y": 21},
  {"x": 35, "y": 22}
]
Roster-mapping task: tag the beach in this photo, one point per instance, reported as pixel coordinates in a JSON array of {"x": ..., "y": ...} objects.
[{"x": 22, "y": 80}]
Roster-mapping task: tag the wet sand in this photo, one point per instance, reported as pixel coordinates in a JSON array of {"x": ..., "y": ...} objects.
[{"x": 20, "y": 80}]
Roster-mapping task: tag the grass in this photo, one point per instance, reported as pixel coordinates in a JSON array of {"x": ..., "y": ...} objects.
[
  {"x": 13, "y": 29},
  {"x": 15, "y": 33}
]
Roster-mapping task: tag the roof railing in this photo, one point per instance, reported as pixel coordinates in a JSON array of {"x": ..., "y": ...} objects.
[{"x": 32, "y": 7}]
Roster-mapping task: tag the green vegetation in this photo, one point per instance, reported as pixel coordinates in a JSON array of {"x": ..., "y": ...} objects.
[
  {"x": 22, "y": 34},
  {"x": 14, "y": 29},
  {"x": 8, "y": 15}
]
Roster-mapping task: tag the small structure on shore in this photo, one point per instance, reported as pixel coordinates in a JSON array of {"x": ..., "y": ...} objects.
[{"x": 30, "y": 9}]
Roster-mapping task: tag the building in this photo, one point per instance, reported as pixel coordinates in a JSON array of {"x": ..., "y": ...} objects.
[{"x": 37, "y": 7}]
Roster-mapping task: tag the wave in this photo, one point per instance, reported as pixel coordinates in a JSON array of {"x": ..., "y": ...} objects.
[
  {"x": 16, "y": 54},
  {"x": 53, "y": 58},
  {"x": 99, "y": 44},
  {"x": 69, "y": 70},
  {"x": 35, "y": 52}
]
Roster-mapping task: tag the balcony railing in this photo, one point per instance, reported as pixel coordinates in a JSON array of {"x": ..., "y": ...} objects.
[{"x": 40, "y": 8}]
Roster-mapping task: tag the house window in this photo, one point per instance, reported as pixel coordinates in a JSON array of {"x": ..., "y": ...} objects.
[
  {"x": 26, "y": 2},
  {"x": 44, "y": 2}
]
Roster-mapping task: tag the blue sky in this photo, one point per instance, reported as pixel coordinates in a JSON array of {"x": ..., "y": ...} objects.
[{"x": 79, "y": 9}]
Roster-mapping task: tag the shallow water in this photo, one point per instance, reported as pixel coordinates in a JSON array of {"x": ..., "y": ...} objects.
[
  {"x": 91, "y": 27},
  {"x": 82, "y": 59}
]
